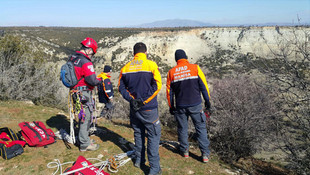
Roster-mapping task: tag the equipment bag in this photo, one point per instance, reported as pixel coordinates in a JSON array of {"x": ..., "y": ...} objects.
[
  {"x": 11, "y": 144},
  {"x": 83, "y": 166},
  {"x": 67, "y": 75},
  {"x": 36, "y": 134}
]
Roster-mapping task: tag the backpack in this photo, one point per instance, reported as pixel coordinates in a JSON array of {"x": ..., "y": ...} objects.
[
  {"x": 83, "y": 166},
  {"x": 11, "y": 144},
  {"x": 67, "y": 75},
  {"x": 36, "y": 134}
]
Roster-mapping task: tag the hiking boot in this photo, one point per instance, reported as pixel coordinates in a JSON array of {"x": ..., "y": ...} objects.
[
  {"x": 91, "y": 147},
  {"x": 205, "y": 158},
  {"x": 138, "y": 164},
  {"x": 185, "y": 154},
  {"x": 103, "y": 112},
  {"x": 158, "y": 173}
]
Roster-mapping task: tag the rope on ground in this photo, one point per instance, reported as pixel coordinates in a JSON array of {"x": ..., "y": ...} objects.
[{"x": 113, "y": 164}]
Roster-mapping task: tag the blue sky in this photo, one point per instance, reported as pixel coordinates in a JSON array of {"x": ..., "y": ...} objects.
[{"x": 120, "y": 13}]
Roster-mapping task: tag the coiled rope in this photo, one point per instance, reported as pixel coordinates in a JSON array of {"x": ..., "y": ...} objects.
[{"x": 113, "y": 164}]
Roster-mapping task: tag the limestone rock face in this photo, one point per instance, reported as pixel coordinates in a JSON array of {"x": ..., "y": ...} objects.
[{"x": 203, "y": 42}]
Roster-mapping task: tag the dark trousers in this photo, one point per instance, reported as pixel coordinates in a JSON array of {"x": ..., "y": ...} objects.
[
  {"x": 199, "y": 119},
  {"x": 146, "y": 123}
]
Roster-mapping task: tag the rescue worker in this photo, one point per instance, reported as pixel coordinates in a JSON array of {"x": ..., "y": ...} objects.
[
  {"x": 86, "y": 75},
  {"x": 185, "y": 82},
  {"x": 139, "y": 84},
  {"x": 105, "y": 91}
]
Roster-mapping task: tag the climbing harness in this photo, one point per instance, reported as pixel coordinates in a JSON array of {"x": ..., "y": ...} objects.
[
  {"x": 76, "y": 100},
  {"x": 113, "y": 164}
]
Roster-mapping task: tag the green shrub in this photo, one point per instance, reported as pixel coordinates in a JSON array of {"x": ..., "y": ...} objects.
[{"x": 24, "y": 74}]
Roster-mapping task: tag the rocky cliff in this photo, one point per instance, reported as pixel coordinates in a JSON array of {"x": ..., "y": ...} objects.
[{"x": 204, "y": 42}]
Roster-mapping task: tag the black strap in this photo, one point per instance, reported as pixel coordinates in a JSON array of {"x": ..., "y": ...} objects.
[
  {"x": 36, "y": 132},
  {"x": 37, "y": 124}
]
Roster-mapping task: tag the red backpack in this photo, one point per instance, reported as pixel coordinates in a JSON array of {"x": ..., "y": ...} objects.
[{"x": 36, "y": 134}]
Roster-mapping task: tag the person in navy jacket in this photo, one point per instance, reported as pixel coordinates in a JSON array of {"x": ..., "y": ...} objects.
[
  {"x": 185, "y": 85},
  {"x": 105, "y": 91}
]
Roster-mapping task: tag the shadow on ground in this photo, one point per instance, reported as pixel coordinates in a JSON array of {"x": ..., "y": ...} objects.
[
  {"x": 58, "y": 122},
  {"x": 118, "y": 123},
  {"x": 173, "y": 146},
  {"x": 107, "y": 135},
  {"x": 62, "y": 122}
]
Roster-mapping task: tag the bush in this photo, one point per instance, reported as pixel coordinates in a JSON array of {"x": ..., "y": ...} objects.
[
  {"x": 24, "y": 74},
  {"x": 244, "y": 117}
]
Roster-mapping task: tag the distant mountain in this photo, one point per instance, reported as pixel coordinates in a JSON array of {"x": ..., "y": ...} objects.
[
  {"x": 193, "y": 23},
  {"x": 174, "y": 23}
]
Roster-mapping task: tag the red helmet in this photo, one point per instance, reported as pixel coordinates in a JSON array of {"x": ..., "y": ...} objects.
[{"x": 89, "y": 42}]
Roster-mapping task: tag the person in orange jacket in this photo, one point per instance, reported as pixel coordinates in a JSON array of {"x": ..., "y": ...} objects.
[
  {"x": 185, "y": 84},
  {"x": 105, "y": 91}
]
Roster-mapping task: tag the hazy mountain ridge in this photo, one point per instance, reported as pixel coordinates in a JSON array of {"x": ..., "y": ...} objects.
[
  {"x": 195, "y": 23},
  {"x": 174, "y": 23}
]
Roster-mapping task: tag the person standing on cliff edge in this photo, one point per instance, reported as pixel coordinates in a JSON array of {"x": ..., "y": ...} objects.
[
  {"x": 86, "y": 75},
  {"x": 185, "y": 83},
  {"x": 139, "y": 83}
]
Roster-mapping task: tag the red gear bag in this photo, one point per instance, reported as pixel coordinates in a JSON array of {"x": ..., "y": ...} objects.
[
  {"x": 86, "y": 168},
  {"x": 36, "y": 134}
]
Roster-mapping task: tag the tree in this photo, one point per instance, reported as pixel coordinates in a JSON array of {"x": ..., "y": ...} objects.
[{"x": 289, "y": 75}]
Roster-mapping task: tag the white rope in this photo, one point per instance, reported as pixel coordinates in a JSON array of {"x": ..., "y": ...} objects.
[
  {"x": 58, "y": 165},
  {"x": 101, "y": 164},
  {"x": 72, "y": 134}
]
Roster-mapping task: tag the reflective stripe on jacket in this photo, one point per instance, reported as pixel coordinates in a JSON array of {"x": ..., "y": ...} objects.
[
  {"x": 84, "y": 69},
  {"x": 140, "y": 78},
  {"x": 105, "y": 90},
  {"x": 185, "y": 82}
]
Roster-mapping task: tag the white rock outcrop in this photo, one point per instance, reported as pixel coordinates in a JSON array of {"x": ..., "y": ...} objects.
[{"x": 204, "y": 41}]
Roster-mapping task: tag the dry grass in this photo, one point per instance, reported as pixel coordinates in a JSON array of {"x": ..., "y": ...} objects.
[{"x": 116, "y": 137}]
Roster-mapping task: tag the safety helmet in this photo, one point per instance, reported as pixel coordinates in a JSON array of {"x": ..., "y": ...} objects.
[{"x": 91, "y": 43}]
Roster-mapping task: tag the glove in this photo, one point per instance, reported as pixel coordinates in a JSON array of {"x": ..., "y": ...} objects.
[
  {"x": 209, "y": 110},
  {"x": 136, "y": 104},
  {"x": 172, "y": 110},
  {"x": 207, "y": 105}
]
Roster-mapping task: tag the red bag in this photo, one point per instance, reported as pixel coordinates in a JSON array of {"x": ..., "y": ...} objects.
[
  {"x": 36, "y": 134},
  {"x": 10, "y": 143},
  {"x": 89, "y": 168}
]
